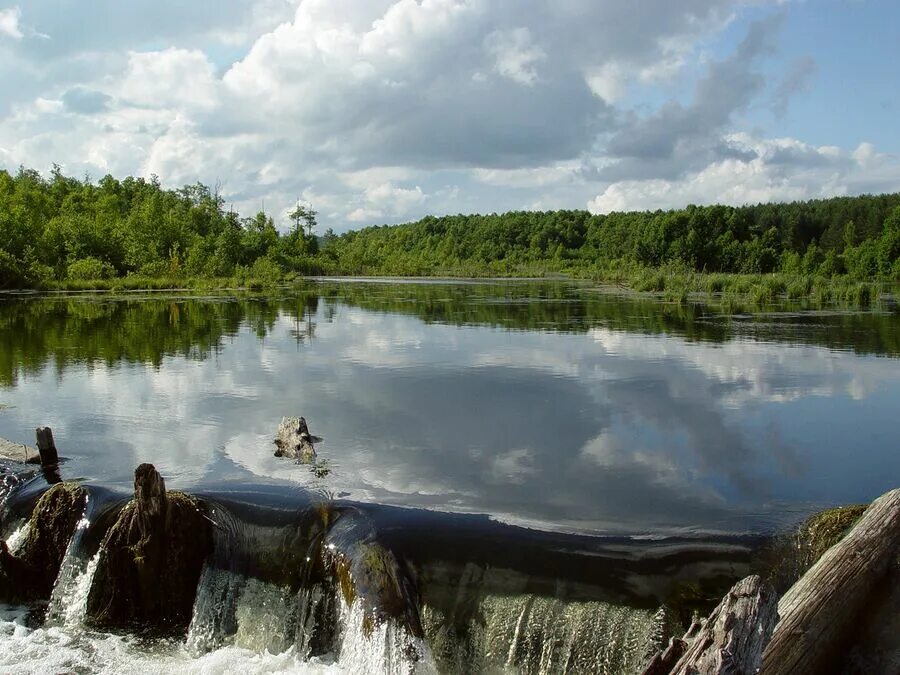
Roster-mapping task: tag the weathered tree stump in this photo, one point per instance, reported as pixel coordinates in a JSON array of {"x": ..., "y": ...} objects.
[
  {"x": 819, "y": 613},
  {"x": 47, "y": 447},
  {"x": 294, "y": 441},
  {"x": 734, "y": 636},
  {"x": 151, "y": 559},
  {"x": 30, "y": 575}
]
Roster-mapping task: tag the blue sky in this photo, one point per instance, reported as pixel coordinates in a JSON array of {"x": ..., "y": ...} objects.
[{"x": 380, "y": 111}]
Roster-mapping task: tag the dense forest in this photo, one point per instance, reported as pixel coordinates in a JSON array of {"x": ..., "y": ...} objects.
[
  {"x": 66, "y": 229},
  {"x": 61, "y": 229},
  {"x": 858, "y": 236}
]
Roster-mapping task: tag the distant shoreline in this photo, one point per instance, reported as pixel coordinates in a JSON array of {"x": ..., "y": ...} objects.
[{"x": 738, "y": 291}]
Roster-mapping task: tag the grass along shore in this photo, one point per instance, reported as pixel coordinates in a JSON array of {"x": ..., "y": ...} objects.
[{"x": 734, "y": 291}]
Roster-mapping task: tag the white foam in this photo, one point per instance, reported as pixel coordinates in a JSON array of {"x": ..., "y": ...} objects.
[
  {"x": 64, "y": 649},
  {"x": 16, "y": 538}
]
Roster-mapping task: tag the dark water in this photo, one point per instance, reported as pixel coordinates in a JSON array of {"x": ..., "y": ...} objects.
[{"x": 552, "y": 405}]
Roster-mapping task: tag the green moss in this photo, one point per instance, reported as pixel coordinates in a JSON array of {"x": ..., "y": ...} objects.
[
  {"x": 32, "y": 574},
  {"x": 823, "y": 530},
  {"x": 788, "y": 557},
  {"x": 345, "y": 580},
  {"x": 150, "y": 582}
]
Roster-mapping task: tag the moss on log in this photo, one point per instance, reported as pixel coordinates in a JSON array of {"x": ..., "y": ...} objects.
[
  {"x": 151, "y": 560},
  {"x": 31, "y": 574},
  {"x": 821, "y": 614},
  {"x": 367, "y": 572},
  {"x": 788, "y": 557}
]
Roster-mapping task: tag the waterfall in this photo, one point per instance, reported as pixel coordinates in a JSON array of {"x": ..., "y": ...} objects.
[
  {"x": 265, "y": 602},
  {"x": 531, "y": 634},
  {"x": 233, "y": 611},
  {"x": 388, "y": 648}
]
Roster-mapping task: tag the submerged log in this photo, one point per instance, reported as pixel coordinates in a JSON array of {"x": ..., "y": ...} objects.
[
  {"x": 820, "y": 612},
  {"x": 31, "y": 574},
  {"x": 151, "y": 559},
  {"x": 734, "y": 636},
  {"x": 294, "y": 441}
]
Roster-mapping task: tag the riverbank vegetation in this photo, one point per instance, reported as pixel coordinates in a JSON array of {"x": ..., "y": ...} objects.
[{"x": 69, "y": 234}]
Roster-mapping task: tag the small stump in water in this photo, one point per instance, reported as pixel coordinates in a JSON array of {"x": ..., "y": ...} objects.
[
  {"x": 151, "y": 559},
  {"x": 293, "y": 440},
  {"x": 30, "y": 575}
]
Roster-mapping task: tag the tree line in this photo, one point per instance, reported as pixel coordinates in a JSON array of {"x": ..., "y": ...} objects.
[
  {"x": 855, "y": 236},
  {"x": 60, "y": 228}
]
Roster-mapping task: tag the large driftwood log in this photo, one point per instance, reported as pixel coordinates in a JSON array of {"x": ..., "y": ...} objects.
[
  {"x": 293, "y": 440},
  {"x": 819, "y": 612},
  {"x": 734, "y": 636},
  {"x": 151, "y": 559}
]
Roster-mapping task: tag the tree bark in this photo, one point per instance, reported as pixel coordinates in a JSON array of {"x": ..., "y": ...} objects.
[
  {"x": 819, "y": 613},
  {"x": 734, "y": 636},
  {"x": 151, "y": 559},
  {"x": 46, "y": 447}
]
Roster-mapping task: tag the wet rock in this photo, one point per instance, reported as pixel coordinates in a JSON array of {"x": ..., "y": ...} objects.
[
  {"x": 31, "y": 573},
  {"x": 151, "y": 559},
  {"x": 294, "y": 441},
  {"x": 369, "y": 573}
]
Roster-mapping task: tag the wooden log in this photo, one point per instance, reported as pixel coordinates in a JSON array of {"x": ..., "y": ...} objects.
[
  {"x": 734, "y": 636},
  {"x": 820, "y": 612},
  {"x": 46, "y": 447},
  {"x": 293, "y": 440},
  {"x": 663, "y": 662}
]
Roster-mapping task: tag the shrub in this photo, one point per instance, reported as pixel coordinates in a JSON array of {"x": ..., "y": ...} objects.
[
  {"x": 90, "y": 269},
  {"x": 266, "y": 270}
]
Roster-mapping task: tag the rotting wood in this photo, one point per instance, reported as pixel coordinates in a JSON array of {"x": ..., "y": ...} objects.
[
  {"x": 151, "y": 559},
  {"x": 820, "y": 611},
  {"x": 734, "y": 636},
  {"x": 663, "y": 662},
  {"x": 46, "y": 447},
  {"x": 294, "y": 441}
]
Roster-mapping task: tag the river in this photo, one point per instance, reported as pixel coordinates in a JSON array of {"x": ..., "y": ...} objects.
[{"x": 536, "y": 417}]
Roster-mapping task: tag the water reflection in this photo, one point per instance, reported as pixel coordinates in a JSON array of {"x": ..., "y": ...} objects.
[{"x": 547, "y": 404}]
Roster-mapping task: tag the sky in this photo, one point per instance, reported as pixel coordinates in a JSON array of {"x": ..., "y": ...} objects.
[{"x": 383, "y": 111}]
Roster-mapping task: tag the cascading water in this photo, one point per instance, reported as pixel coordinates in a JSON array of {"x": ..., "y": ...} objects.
[
  {"x": 280, "y": 593},
  {"x": 259, "y": 617},
  {"x": 529, "y": 634}
]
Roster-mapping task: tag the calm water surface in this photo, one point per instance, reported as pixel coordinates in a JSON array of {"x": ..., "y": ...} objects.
[{"x": 553, "y": 405}]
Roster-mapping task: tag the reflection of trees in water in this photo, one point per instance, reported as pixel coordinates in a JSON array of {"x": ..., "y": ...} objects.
[{"x": 112, "y": 329}]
